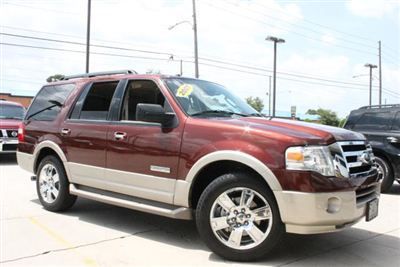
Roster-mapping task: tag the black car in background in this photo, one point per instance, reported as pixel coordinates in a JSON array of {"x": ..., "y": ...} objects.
[{"x": 381, "y": 125}]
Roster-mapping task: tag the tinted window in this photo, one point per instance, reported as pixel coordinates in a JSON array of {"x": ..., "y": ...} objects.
[
  {"x": 44, "y": 106},
  {"x": 97, "y": 101},
  {"x": 145, "y": 92},
  {"x": 374, "y": 121},
  {"x": 11, "y": 112},
  {"x": 396, "y": 122}
]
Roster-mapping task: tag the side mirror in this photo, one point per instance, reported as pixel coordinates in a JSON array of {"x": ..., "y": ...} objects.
[{"x": 155, "y": 113}]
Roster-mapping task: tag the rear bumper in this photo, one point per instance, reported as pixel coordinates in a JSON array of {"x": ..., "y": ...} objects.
[
  {"x": 8, "y": 145},
  {"x": 312, "y": 213}
]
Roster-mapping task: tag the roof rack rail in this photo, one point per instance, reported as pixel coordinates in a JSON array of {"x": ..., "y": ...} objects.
[
  {"x": 95, "y": 74},
  {"x": 380, "y": 106}
]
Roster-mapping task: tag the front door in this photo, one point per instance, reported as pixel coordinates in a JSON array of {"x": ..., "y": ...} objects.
[{"x": 142, "y": 157}]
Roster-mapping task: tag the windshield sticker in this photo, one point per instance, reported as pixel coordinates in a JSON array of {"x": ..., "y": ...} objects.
[{"x": 184, "y": 90}]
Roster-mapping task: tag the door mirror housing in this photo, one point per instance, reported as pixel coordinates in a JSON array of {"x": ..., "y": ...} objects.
[{"x": 155, "y": 113}]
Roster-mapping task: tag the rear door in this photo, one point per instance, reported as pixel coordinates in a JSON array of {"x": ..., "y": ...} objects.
[
  {"x": 84, "y": 134},
  {"x": 142, "y": 157}
]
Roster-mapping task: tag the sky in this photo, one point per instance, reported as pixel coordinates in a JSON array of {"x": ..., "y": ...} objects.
[{"x": 320, "y": 65}]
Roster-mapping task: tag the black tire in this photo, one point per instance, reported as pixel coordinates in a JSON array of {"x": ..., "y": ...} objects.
[
  {"x": 388, "y": 177},
  {"x": 212, "y": 192},
  {"x": 64, "y": 200}
]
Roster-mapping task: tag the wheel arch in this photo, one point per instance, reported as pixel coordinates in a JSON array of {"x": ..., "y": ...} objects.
[
  {"x": 226, "y": 160},
  {"x": 46, "y": 148}
]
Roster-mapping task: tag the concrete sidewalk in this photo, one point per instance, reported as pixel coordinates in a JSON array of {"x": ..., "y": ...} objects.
[{"x": 96, "y": 234}]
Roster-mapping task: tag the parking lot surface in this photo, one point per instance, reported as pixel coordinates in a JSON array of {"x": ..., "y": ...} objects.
[{"x": 96, "y": 234}]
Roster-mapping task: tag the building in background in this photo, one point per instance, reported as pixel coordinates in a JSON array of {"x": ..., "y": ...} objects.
[{"x": 22, "y": 99}]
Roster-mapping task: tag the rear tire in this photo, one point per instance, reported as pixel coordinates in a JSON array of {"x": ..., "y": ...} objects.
[
  {"x": 238, "y": 218},
  {"x": 388, "y": 177},
  {"x": 52, "y": 185}
]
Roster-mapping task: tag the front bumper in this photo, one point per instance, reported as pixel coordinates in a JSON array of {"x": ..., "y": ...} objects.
[
  {"x": 313, "y": 213},
  {"x": 8, "y": 145}
]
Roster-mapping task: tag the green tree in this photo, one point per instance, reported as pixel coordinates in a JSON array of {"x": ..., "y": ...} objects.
[
  {"x": 255, "y": 102},
  {"x": 54, "y": 78},
  {"x": 327, "y": 117}
]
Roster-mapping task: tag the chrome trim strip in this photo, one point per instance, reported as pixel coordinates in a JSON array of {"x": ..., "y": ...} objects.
[
  {"x": 154, "y": 208},
  {"x": 160, "y": 169}
]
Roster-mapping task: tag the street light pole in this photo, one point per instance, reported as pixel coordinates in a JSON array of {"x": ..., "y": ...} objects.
[
  {"x": 196, "y": 53},
  {"x": 370, "y": 66},
  {"x": 275, "y": 40},
  {"x": 88, "y": 35},
  {"x": 194, "y": 27}
]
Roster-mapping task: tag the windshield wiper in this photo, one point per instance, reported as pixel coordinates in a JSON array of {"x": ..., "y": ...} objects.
[
  {"x": 55, "y": 104},
  {"x": 217, "y": 111}
]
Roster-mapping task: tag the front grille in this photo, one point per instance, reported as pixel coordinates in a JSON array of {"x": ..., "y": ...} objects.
[
  {"x": 9, "y": 133},
  {"x": 352, "y": 158},
  {"x": 9, "y": 147},
  {"x": 366, "y": 194}
]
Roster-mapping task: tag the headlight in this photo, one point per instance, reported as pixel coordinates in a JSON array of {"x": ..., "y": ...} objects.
[{"x": 310, "y": 158}]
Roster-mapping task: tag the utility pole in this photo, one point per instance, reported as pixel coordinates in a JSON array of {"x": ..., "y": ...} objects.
[
  {"x": 275, "y": 40},
  {"x": 380, "y": 74},
  {"x": 88, "y": 35},
  {"x": 269, "y": 96},
  {"x": 370, "y": 66},
  {"x": 196, "y": 54},
  {"x": 181, "y": 67}
]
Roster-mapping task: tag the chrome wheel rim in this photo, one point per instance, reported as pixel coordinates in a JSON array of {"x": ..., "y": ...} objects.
[
  {"x": 241, "y": 218},
  {"x": 49, "y": 183},
  {"x": 381, "y": 168}
]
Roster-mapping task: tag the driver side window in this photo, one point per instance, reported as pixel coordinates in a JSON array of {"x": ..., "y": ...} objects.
[{"x": 141, "y": 92}]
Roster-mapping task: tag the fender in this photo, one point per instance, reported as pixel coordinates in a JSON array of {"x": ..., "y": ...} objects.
[
  {"x": 183, "y": 187},
  {"x": 53, "y": 146}
]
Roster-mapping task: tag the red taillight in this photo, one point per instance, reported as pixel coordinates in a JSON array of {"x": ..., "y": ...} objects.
[{"x": 21, "y": 133}]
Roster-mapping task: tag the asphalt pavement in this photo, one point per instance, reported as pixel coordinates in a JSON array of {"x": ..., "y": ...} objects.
[{"x": 96, "y": 234}]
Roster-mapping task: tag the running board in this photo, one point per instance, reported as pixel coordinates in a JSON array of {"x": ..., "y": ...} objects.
[{"x": 131, "y": 202}]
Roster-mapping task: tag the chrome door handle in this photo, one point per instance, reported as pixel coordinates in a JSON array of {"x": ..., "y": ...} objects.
[
  {"x": 119, "y": 135},
  {"x": 392, "y": 139},
  {"x": 65, "y": 131}
]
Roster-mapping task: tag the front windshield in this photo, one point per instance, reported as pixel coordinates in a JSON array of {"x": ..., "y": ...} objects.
[
  {"x": 202, "y": 98},
  {"x": 11, "y": 112}
]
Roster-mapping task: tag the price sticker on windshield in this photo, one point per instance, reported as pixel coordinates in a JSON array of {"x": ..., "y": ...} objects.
[{"x": 184, "y": 90}]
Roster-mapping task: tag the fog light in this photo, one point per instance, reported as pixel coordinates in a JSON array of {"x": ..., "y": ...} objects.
[{"x": 334, "y": 205}]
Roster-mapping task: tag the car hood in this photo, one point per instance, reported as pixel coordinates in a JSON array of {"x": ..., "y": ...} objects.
[
  {"x": 9, "y": 124},
  {"x": 301, "y": 132}
]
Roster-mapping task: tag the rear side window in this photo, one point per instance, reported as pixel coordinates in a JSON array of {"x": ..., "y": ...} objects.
[
  {"x": 374, "y": 121},
  {"x": 396, "y": 122},
  {"x": 96, "y": 102},
  {"x": 48, "y": 102}
]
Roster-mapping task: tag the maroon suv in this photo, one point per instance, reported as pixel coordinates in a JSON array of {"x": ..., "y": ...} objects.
[{"x": 189, "y": 149}]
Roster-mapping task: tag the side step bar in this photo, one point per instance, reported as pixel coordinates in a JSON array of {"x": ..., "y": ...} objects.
[{"x": 132, "y": 202}]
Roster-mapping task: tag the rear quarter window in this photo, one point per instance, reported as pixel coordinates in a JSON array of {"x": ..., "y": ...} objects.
[
  {"x": 396, "y": 122},
  {"x": 42, "y": 109},
  {"x": 374, "y": 121}
]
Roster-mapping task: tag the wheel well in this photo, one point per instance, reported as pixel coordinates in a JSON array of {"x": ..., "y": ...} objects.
[
  {"x": 213, "y": 170},
  {"x": 46, "y": 151},
  {"x": 383, "y": 156}
]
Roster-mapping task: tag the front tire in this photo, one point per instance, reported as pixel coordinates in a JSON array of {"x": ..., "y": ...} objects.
[
  {"x": 52, "y": 185},
  {"x": 238, "y": 218},
  {"x": 387, "y": 173}
]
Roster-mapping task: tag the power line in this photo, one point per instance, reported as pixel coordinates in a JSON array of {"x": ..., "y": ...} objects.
[
  {"x": 222, "y": 62},
  {"x": 321, "y": 25},
  {"x": 168, "y": 54},
  {"x": 284, "y": 73},
  {"x": 292, "y": 32},
  {"x": 300, "y": 26},
  {"x": 79, "y": 43}
]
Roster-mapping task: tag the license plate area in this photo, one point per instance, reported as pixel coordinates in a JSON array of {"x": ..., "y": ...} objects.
[{"x": 372, "y": 209}]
